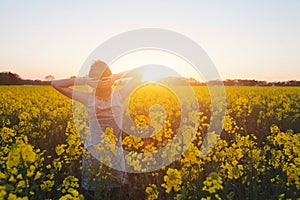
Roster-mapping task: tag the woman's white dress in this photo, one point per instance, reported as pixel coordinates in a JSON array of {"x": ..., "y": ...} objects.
[{"x": 103, "y": 114}]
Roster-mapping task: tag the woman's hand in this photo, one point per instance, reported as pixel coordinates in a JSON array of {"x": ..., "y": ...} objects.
[{"x": 108, "y": 81}]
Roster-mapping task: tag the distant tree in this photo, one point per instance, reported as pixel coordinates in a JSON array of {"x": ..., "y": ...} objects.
[
  {"x": 49, "y": 78},
  {"x": 8, "y": 78},
  {"x": 193, "y": 81}
]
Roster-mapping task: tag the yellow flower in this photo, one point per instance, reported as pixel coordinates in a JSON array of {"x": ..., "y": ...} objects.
[
  {"x": 30, "y": 171},
  {"x": 132, "y": 142},
  {"x": 70, "y": 181},
  {"x": 281, "y": 196},
  {"x": 7, "y": 134},
  {"x": 12, "y": 179},
  {"x": 212, "y": 183},
  {"x": 274, "y": 129},
  {"x": 13, "y": 158},
  {"x": 190, "y": 156},
  {"x": 109, "y": 134},
  {"x": 14, "y": 171},
  {"x": 2, "y": 175},
  {"x": 74, "y": 192},
  {"x": 2, "y": 192},
  {"x": 20, "y": 176},
  {"x": 14, "y": 197},
  {"x": 47, "y": 185},
  {"x": 21, "y": 184},
  {"x": 133, "y": 159},
  {"x": 37, "y": 175},
  {"x": 218, "y": 197},
  {"x": 172, "y": 180},
  {"x": 152, "y": 192},
  {"x": 59, "y": 149},
  {"x": 28, "y": 155},
  {"x": 66, "y": 197},
  {"x": 57, "y": 164}
]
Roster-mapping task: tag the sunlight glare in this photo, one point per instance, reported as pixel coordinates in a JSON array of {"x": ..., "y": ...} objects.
[{"x": 160, "y": 64}]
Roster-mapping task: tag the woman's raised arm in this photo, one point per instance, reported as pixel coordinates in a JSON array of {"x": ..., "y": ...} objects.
[
  {"x": 64, "y": 87},
  {"x": 136, "y": 80}
]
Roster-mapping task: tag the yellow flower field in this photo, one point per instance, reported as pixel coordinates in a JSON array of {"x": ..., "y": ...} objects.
[{"x": 256, "y": 156}]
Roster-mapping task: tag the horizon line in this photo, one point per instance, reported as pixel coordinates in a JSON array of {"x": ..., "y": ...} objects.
[{"x": 225, "y": 79}]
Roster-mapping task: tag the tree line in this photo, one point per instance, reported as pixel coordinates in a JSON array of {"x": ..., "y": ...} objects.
[
  {"x": 227, "y": 82},
  {"x": 9, "y": 78}
]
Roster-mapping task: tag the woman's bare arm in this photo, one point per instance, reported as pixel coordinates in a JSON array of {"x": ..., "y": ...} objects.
[
  {"x": 136, "y": 77},
  {"x": 64, "y": 87},
  {"x": 122, "y": 74},
  {"x": 110, "y": 80}
]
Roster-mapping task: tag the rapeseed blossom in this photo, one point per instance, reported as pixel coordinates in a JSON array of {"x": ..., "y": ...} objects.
[{"x": 41, "y": 147}]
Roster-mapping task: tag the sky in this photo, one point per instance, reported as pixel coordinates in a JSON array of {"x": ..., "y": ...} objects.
[{"x": 244, "y": 39}]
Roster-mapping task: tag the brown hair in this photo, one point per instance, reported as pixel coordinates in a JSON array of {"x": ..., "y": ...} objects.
[{"x": 99, "y": 70}]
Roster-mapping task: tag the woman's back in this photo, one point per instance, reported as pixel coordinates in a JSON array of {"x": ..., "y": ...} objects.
[{"x": 104, "y": 114}]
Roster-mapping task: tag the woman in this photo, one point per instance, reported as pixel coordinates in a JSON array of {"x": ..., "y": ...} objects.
[{"x": 104, "y": 106}]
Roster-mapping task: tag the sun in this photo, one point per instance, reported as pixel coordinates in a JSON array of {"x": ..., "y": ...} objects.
[{"x": 155, "y": 72}]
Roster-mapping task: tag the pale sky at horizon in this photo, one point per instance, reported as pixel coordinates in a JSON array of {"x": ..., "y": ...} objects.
[{"x": 245, "y": 39}]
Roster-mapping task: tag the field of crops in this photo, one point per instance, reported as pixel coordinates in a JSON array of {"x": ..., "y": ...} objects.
[{"x": 256, "y": 156}]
